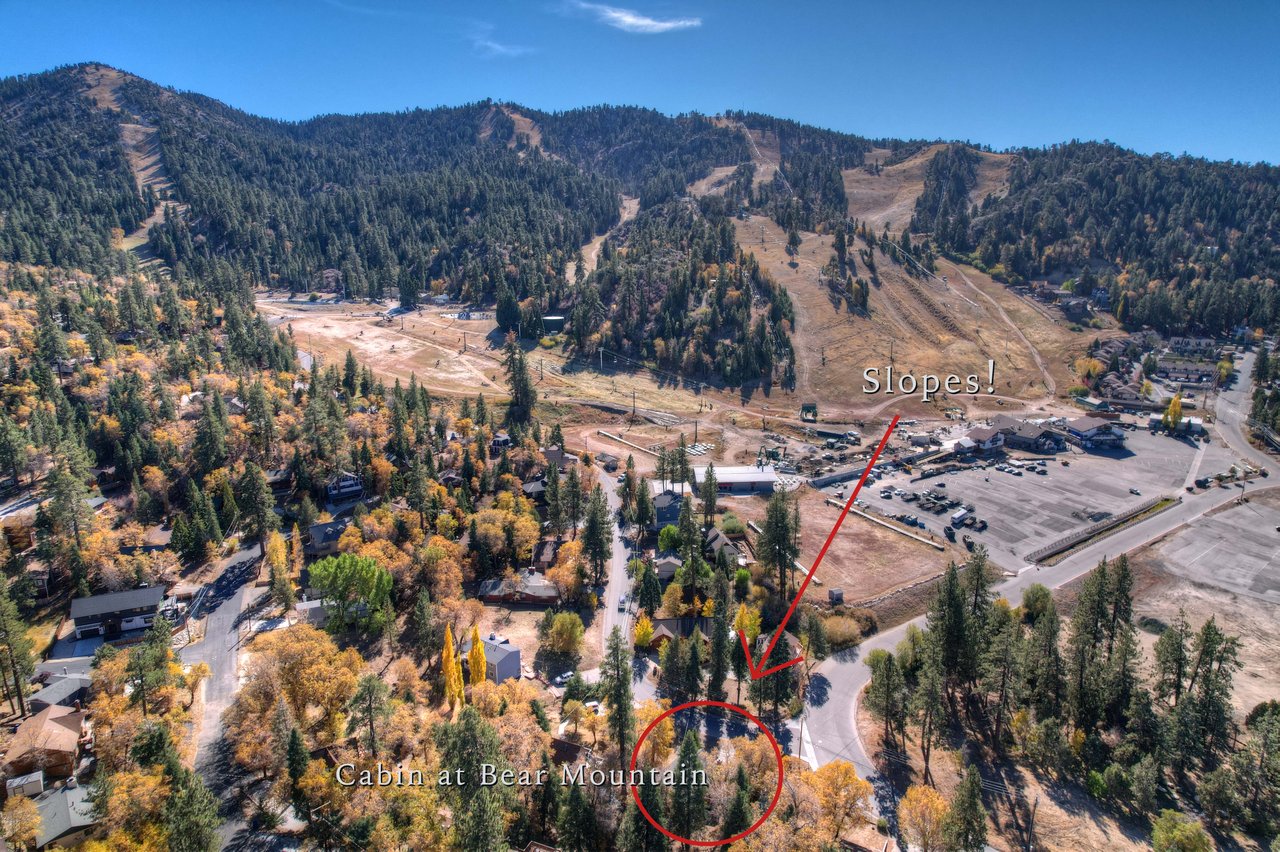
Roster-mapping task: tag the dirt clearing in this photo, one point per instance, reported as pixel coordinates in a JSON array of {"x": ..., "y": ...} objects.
[{"x": 866, "y": 560}]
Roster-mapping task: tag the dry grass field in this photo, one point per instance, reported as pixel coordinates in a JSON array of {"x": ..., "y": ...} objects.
[{"x": 923, "y": 325}]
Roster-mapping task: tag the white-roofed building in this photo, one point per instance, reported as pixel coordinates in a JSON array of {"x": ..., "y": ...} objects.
[{"x": 743, "y": 479}]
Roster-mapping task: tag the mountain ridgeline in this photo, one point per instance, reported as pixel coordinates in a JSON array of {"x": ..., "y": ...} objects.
[
  {"x": 1181, "y": 243},
  {"x": 471, "y": 202}
]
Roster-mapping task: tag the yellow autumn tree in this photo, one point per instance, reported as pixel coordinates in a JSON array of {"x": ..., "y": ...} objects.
[
  {"x": 475, "y": 657},
  {"x": 1172, "y": 418},
  {"x": 644, "y": 630},
  {"x": 275, "y": 551},
  {"x": 747, "y": 620},
  {"x": 20, "y": 822},
  {"x": 452, "y": 669},
  {"x": 846, "y": 800},
  {"x": 922, "y": 815},
  {"x": 295, "y": 554},
  {"x": 657, "y": 746}
]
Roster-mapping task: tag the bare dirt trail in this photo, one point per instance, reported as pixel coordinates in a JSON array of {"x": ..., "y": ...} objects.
[
  {"x": 919, "y": 325},
  {"x": 525, "y": 127},
  {"x": 591, "y": 251},
  {"x": 142, "y": 150},
  {"x": 1051, "y": 386}
]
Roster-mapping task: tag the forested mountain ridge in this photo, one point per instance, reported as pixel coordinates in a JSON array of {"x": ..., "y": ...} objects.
[
  {"x": 1181, "y": 243},
  {"x": 455, "y": 200}
]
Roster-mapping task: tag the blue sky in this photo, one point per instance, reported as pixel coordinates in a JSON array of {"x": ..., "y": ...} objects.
[{"x": 1195, "y": 77}]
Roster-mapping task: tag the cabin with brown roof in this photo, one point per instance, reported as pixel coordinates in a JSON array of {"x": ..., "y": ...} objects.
[{"x": 50, "y": 740}]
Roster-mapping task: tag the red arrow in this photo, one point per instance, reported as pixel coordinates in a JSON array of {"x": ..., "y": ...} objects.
[{"x": 756, "y": 672}]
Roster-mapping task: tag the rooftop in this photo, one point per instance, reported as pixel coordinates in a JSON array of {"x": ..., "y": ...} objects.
[
  {"x": 149, "y": 596},
  {"x": 739, "y": 473},
  {"x": 62, "y": 812}
]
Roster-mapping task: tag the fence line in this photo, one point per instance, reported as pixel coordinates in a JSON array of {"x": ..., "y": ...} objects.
[{"x": 1078, "y": 536}]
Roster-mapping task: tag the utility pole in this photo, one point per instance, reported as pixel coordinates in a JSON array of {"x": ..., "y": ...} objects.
[
  {"x": 464, "y": 341},
  {"x": 695, "y": 431},
  {"x": 539, "y": 369},
  {"x": 633, "y": 403}
]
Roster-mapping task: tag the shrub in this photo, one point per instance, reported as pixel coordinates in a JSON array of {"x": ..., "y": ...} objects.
[
  {"x": 1177, "y": 832},
  {"x": 1095, "y": 784},
  {"x": 842, "y": 632},
  {"x": 1117, "y": 780},
  {"x": 732, "y": 525},
  {"x": 1035, "y": 602},
  {"x": 565, "y": 634}
]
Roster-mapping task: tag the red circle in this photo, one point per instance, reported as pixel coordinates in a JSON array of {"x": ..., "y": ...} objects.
[{"x": 773, "y": 803}]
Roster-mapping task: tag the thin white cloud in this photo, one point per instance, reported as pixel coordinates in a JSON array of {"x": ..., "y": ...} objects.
[
  {"x": 485, "y": 44},
  {"x": 631, "y": 21}
]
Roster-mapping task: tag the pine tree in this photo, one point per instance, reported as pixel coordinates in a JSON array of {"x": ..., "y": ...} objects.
[
  {"x": 555, "y": 502},
  {"x": 426, "y": 634},
  {"x": 739, "y": 816},
  {"x": 948, "y": 625},
  {"x": 688, "y": 799},
  {"x": 998, "y": 668},
  {"x": 1085, "y": 701},
  {"x": 718, "y": 664},
  {"x": 296, "y": 760},
  {"x": 1041, "y": 668},
  {"x": 636, "y": 834},
  {"x": 649, "y": 595},
  {"x": 690, "y": 537},
  {"x": 190, "y": 813},
  {"x": 573, "y": 499},
  {"x": 577, "y": 826},
  {"x": 645, "y": 514},
  {"x": 928, "y": 705},
  {"x": 367, "y": 707},
  {"x": 546, "y": 801},
  {"x": 597, "y": 534},
  {"x": 479, "y": 811},
  {"x": 776, "y": 548},
  {"x": 523, "y": 394},
  {"x": 710, "y": 491},
  {"x": 15, "y": 645},
  {"x": 615, "y": 676},
  {"x": 966, "y": 822},
  {"x": 886, "y": 693}
]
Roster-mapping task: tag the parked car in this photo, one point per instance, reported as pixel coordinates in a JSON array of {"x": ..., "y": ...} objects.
[
  {"x": 1135, "y": 492},
  {"x": 562, "y": 679}
]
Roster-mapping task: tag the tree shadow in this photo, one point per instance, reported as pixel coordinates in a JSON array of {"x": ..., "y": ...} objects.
[{"x": 818, "y": 691}]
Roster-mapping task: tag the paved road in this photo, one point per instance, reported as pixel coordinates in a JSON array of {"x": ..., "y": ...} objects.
[
  {"x": 617, "y": 581},
  {"x": 224, "y": 602},
  {"x": 838, "y": 681}
]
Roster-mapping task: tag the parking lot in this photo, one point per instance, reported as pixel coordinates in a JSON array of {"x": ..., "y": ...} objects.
[
  {"x": 1027, "y": 511},
  {"x": 1237, "y": 549}
]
